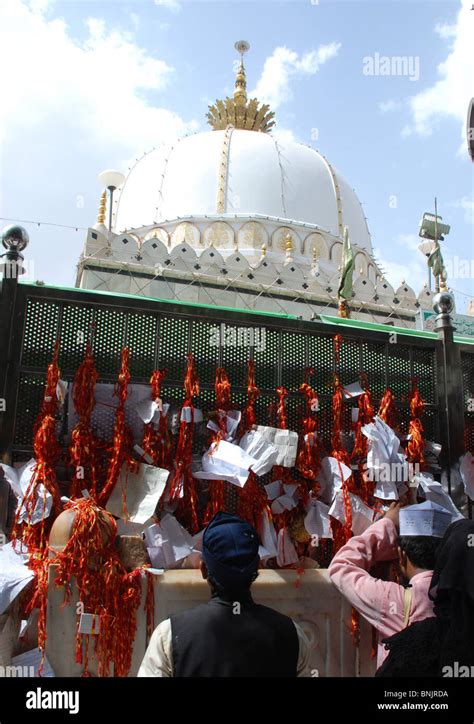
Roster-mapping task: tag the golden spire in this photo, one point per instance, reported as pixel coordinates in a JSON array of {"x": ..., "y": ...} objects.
[
  {"x": 315, "y": 256},
  {"x": 289, "y": 246},
  {"x": 264, "y": 251},
  {"x": 240, "y": 92},
  {"x": 238, "y": 111},
  {"x": 102, "y": 207}
]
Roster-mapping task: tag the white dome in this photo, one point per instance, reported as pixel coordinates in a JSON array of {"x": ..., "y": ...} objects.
[{"x": 261, "y": 175}]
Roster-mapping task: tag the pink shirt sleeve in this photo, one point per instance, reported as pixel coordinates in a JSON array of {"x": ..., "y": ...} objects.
[{"x": 380, "y": 602}]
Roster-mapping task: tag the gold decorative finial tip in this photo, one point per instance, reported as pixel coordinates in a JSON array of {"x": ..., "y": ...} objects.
[
  {"x": 289, "y": 246},
  {"x": 102, "y": 207},
  {"x": 239, "y": 111}
]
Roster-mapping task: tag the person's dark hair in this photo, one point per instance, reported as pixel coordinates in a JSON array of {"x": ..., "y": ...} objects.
[
  {"x": 421, "y": 550},
  {"x": 232, "y": 593}
]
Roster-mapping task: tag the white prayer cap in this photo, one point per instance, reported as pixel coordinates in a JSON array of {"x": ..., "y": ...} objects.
[{"x": 424, "y": 519}]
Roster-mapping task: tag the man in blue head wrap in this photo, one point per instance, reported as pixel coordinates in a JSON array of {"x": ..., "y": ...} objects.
[{"x": 230, "y": 635}]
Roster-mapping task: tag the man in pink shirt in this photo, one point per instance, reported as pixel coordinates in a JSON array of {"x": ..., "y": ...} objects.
[{"x": 387, "y": 605}]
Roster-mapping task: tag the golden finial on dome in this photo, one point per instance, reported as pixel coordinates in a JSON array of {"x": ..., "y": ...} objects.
[
  {"x": 264, "y": 251},
  {"x": 289, "y": 245},
  {"x": 240, "y": 92},
  {"x": 102, "y": 207},
  {"x": 238, "y": 111}
]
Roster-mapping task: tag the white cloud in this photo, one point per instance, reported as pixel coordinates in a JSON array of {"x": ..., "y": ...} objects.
[
  {"x": 445, "y": 31},
  {"x": 415, "y": 274},
  {"x": 413, "y": 271},
  {"x": 75, "y": 106},
  {"x": 389, "y": 106},
  {"x": 283, "y": 135},
  {"x": 99, "y": 86},
  {"x": 450, "y": 95},
  {"x": 172, "y": 5},
  {"x": 468, "y": 205},
  {"x": 409, "y": 241},
  {"x": 284, "y": 64}
]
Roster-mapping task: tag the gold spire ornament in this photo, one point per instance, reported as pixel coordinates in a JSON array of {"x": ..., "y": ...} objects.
[
  {"x": 289, "y": 246},
  {"x": 102, "y": 207},
  {"x": 238, "y": 111}
]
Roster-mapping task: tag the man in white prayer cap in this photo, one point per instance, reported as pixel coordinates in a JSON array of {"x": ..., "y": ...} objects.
[{"x": 412, "y": 535}]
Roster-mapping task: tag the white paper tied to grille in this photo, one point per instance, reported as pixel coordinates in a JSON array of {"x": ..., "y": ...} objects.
[
  {"x": 316, "y": 520},
  {"x": 19, "y": 480},
  {"x": 14, "y": 573},
  {"x": 283, "y": 496},
  {"x": 151, "y": 410},
  {"x": 331, "y": 476},
  {"x": 264, "y": 453},
  {"x": 168, "y": 542},
  {"x": 190, "y": 414},
  {"x": 352, "y": 390},
  {"x": 143, "y": 490},
  {"x": 285, "y": 441},
  {"x": 287, "y": 555},
  {"x": 61, "y": 391},
  {"x": 386, "y": 463},
  {"x": 310, "y": 438},
  {"x": 434, "y": 492},
  {"x": 362, "y": 515},
  {"x": 424, "y": 519},
  {"x": 89, "y": 623},
  {"x": 225, "y": 461},
  {"x": 466, "y": 468},
  {"x": 232, "y": 419},
  {"x": 433, "y": 447},
  {"x": 268, "y": 537}
]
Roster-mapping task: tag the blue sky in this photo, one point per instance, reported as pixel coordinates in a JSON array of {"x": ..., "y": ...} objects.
[{"x": 98, "y": 83}]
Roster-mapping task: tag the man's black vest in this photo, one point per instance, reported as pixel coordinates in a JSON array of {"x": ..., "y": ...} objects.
[{"x": 215, "y": 639}]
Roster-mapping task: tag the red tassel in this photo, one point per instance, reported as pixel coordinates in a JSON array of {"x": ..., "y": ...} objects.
[
  {"x": 122, "y": 437},
  {"x": 387, "y": 410},
  {"x": 83, "y": 447},
  {"x": 340, "y": 453},
  {"x": 252, "y": 498},
  {"x": 308, "y": 461},
  {"x": 182, "y": 484},
  {"x": 157, "y": 440},
  {"x": 416, "y": 444},
  {"x": 223, "y": 402}
]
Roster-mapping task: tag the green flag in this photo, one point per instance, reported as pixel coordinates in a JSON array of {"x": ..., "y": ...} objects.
[
  {"x": 436, "y": 262},
  {"x": 347, "y": 267}
]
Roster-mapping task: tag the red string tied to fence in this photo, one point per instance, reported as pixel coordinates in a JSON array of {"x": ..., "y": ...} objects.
[
  {"x": 182, "y": 486},
  {"x": 387, "y": 410},
  {"x": 416, "y": 443},
  {"x": 223, "y": 402},
  {"x": 156, "y": 438},
  {"x": 122, "y": 438},
  {"x": 83, "y": 446},
  {"x": 308, "y": 461},
  {"x": 253, "y": 500}
]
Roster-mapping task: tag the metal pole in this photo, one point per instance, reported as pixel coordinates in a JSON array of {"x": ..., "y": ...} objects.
[
  {"x": 111, "y": 198},
  {"x": 449, "y": 385},
  {"x": 436, "y": 241}
]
